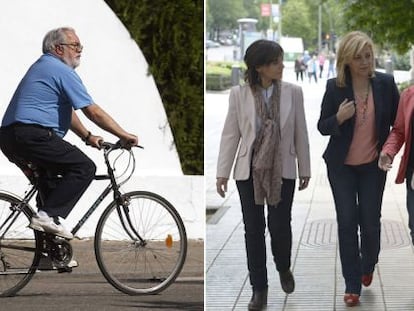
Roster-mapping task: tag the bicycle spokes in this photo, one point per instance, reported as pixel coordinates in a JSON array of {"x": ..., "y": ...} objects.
[
  {"x": 141, "y": 249},
  {"x": 18, "y": 255}
]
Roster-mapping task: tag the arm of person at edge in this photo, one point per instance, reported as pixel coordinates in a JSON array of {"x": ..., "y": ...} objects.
[
  {"x": 101, "y": 118},
  {"x": 396, "y": 138}
]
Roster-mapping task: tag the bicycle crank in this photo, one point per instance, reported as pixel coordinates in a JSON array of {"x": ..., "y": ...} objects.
[{"x": 60, "y": 252}]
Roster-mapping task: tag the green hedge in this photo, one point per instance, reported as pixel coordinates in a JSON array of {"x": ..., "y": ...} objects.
[
  {"x": 218, "y": 82},
  {"x": 170, "y": 35},
  {"x": 218, "y": 75}
]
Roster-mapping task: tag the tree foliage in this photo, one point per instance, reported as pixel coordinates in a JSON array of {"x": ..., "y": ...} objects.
[
  {"x": 297, "y": 22},
  {"x": 223, "y": 15},
  {"x": 390, "y": 23},
  {"x": 170, "y": 35}
]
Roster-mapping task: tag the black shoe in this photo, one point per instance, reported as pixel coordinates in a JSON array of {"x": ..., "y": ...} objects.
[
  {"x": 258, "y": 301},
  {"x": 287, "y": 281}
]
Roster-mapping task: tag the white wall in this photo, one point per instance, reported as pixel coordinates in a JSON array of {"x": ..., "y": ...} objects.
[
  {"x": 112, "y": 68},
  {"x": 115, "y": 73}
]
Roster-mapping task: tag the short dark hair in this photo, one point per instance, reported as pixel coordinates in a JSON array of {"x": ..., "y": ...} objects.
[{"x": 260, "y": 52}]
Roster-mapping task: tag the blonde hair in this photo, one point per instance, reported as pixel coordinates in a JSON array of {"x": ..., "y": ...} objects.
[{"x": 351, "y": 45}]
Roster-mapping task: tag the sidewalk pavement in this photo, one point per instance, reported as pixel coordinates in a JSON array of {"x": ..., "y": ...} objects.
[{"x": 315, "y": 259}]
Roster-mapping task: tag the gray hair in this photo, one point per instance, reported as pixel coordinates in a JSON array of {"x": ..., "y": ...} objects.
[{"x": 55, "y": 37}]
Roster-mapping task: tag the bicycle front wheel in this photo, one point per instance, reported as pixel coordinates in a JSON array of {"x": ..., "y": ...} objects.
[
  {"x": 18, "y": 256},
  {"x": 141, "y": 246}
]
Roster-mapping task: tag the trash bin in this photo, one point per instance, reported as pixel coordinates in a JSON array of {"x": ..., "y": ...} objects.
[
  {"x": 235, "y": 74},
  {"x": 388, "y": 66}
]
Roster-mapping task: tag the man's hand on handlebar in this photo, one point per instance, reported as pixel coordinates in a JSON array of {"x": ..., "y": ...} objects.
[
  {"x": 95, "y": 141},
  {"x": 128, "y": 141}
]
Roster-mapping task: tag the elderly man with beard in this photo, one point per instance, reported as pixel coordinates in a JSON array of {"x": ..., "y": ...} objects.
[{"x": 39, "y": 115}]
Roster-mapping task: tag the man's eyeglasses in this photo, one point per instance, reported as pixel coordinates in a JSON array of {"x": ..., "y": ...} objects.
[{"x": 74, "y": 46}]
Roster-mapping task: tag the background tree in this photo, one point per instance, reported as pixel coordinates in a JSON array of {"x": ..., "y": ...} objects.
[
  {"x": 297, "y": 22},
  {"x": 223, "y": 15},
  {"x": 170, "y": 35},
  {"x": 388, "y": 22}
]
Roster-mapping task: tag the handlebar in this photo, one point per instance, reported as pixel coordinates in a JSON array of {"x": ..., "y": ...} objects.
[{"x": 107, "y": 146}]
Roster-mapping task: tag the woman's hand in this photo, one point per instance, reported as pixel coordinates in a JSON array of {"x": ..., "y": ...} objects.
[
  {"x": 221, "y": 185},
  {"x": 346, "y": 111},
  {"x": 303, "y": 182},
  {"x": 384, "y": 162}
]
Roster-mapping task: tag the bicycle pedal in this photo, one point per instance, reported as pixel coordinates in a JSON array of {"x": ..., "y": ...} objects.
[{"x": 64, "y": 270}]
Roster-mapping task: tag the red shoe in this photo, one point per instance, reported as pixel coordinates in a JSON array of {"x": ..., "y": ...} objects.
[
  {"x": 351, "y": 300},
  {"x": 366, "y": 279}
]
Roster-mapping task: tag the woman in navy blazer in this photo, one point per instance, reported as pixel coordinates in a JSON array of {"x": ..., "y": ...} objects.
[
  {"x": 358, "y": 108},
  {"x": 285, "y": 141}
]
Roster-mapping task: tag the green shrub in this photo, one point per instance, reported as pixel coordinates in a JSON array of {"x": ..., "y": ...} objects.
[
  {"x": 171, "y": 37},
  {"x": 218, "y": 75},
  {"x": 217, "y": 82}
]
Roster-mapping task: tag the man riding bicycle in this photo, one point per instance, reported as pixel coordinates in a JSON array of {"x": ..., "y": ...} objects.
[{"x": 39, "y": 115}]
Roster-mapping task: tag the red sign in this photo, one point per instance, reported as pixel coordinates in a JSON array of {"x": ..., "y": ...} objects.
[{"x": 265, "y": 9}]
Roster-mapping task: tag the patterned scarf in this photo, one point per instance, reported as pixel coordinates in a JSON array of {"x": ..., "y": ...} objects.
[{"x": 267, "y": 160}]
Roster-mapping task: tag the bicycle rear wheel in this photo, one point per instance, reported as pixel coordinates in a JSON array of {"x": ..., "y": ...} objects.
[
  {"x": 136, "y": 266},
  {"x": 18, "y": 256}
]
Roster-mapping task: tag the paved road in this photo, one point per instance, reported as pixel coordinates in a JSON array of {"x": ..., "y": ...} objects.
[{"x": 85, "y": 289}]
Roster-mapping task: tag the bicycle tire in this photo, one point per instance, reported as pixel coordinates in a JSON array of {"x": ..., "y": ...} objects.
[
  {"x": 130, "y": 266},
  {"x": 19, "y": 257}
]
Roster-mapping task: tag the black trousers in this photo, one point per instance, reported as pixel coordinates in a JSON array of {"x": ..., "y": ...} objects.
[
  {"x": 279, "y": 226},
  {"x": 52, "y": 156}
]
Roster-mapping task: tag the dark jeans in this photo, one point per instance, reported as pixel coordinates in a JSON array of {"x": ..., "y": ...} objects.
[
  {"x": 53, "y": 156},
  {"x": 357, "y": 192},
  {"x": 278, "y": 221}
]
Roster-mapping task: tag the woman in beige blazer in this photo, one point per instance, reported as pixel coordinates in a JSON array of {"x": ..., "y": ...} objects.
[{"x": 265, "y": 136}]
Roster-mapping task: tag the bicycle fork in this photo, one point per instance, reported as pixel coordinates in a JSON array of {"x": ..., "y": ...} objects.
[{"x": 123, "y": 214}]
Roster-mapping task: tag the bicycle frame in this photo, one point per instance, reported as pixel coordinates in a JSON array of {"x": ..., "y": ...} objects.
[
  {"x": 112, "y": 186},
  {"x": 133, "y": 263}
]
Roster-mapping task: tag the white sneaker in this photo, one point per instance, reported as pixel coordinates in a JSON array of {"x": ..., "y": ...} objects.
[
  {"x": 73, "y": 263},
  {"x": 47, "y": 224}
]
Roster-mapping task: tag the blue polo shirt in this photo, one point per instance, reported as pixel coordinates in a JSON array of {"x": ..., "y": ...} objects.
[{"x": 46, "y": 96}]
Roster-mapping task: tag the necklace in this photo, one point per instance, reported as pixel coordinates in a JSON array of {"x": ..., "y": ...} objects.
[{"x": 362, "y": 106}]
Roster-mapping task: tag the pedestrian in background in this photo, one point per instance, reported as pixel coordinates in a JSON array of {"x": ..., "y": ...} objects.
[
  {"x": 402, "y": 134},
  {"x": 266, "y": 127},
  {"x": 305, "y": 59},
  {"x": 358, "y": 109},
  {"x": 321, "y": 61},
  {"x": 331, "y": 64},
  {"x": 299, "y": 68},
  {"x": 312, "y": 68}
]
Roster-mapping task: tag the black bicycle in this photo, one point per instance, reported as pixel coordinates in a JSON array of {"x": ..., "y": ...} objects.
[{"x": 140, "y": 240}]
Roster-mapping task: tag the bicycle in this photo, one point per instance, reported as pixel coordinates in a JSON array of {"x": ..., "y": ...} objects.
[{"x": 140, "y": 241}]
